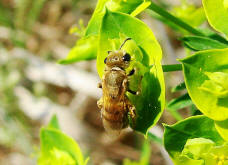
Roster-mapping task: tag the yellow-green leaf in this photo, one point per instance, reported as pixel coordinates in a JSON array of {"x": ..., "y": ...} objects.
[
  {"x": 85, "y": 49},
  {"x": 176, "y": 136},
  {"x": 206, "y": 80},
  {"x": 133, "y": 7},
  {"x": 222, "y": 128},
  {"x": 217, "y": 14}
]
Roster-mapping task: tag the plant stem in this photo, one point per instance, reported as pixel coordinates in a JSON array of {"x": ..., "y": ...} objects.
[
  {"x": 172, "y": 68},
  {"x": 157, "y": 9}
]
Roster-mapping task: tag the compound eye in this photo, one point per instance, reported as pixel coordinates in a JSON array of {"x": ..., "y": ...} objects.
[
  {"x": 105, "y": 60},
  {"x": 127, "y": 57}
]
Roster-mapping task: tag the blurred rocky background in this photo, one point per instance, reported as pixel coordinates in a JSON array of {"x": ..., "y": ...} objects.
[{"x": 34, "y": 35}]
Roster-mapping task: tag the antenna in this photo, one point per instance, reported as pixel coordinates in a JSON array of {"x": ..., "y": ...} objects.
[{"x": 124, "y": 42}]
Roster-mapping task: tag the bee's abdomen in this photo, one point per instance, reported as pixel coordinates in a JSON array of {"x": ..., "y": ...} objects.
[
  {"x": 113, "y": 124},
  {"x": 114, "y": 119}
]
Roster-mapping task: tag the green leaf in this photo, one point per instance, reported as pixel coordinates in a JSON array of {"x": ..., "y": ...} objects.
[
  {"x": 141, "y": 7},
  {"x": 179, "y": 102},
  {"x": 194, "y": 111},
  {"x": 196, "y": 147},
  {"x": 172, "y": 67},
  {"x": 116, "y": 24},
  {"x": 58, "y": 148},
  {"x": 216, "y": 84},
  {"x": 202, "y": 43},
  {"x": 204, "y": 150},
  {"x": 190, "y": 14},
  {"x": 184, "y": 160},
  {"x": 146, "y": 55},
  {"x": 57, "y": 157},
  {"x": 225, "y": 3},
  {"x": 215, "y": 36},
  {"x": 54, "y": 124},
  {"x": 176, "y": 136},
  {"x": 52, "y": 139},
  {"x": 85, "y": 49},
  {"x": 222, "y": 128},
  {"x": 217, "y": 155},
  {"x": 179, "y": 87},
  {"x": 79, "y": 29},
  {"x": 217, "y": 14},
  {"x": 134, "y": 7},
  {"x": 202, "y": 73}
]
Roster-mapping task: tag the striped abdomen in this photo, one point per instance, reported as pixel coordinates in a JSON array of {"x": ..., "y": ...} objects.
[
  {"x": 114, "y": 112},
  {"x": 114, "y": 116}
]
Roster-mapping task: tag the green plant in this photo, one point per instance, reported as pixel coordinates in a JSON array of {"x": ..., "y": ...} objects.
[
  {"x": 145, "y": 156},
  {"x": 195, "y": 140},
  {"x": 58, "y": 148}
]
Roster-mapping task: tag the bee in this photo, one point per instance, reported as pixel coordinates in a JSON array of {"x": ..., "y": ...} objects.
[{"x": 114, "y": 104}]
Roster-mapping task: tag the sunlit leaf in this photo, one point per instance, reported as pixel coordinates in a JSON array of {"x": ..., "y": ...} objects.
[
  {"x": 57, "y": 157},
  {"x": 217, "y": 155},
  {"x": 217, "y": 14},
  {"x": 225, "y": 3},
  {"x": 203, "y": 151},
  {"x": 216, "y": 84},
  {"x": 54, "y": 123},
  {"x": 195, "y": 148},
  {"x": 204, "y": 74},
  {"x": 222, "y": 128},
  {"x": 190, "y": 14},
  {"x": 129, "y": 6},
  {"x": 184, "y": 160},
  {"x": 85, "y": 49},
  {"x": 176, "y": 136},
  {"x": 58, "y": 148}
]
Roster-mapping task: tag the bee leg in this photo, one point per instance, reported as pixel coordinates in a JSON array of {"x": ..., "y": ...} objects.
[
  {"x": 131, "y": 72},
  {"x": 124, "y": 84},
  {"x": 132, "y": 113},
  {"x": 132, "y": 92},
  {"x": 140, "y": 86},
  {"x": 99, "y": 85},
  {"x": 100, "y": 103}
]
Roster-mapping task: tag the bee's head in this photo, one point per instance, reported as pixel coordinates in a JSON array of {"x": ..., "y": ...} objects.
[{"x": 118, "y": 58}]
